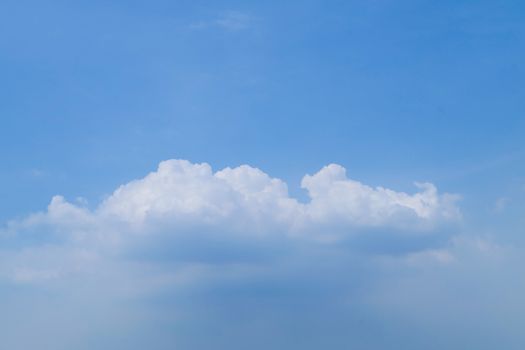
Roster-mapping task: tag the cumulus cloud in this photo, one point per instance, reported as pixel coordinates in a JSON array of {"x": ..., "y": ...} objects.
[
  {"x": 187, "y": 250},
  {"x": 186, "y": 211},
  {"x": 183, "y": 194},
  {"x": 334, "y": 197},
  {"x": 180, "y": 194}
]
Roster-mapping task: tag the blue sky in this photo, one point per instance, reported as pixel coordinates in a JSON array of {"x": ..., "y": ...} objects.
[{"x": 95, "y": 95}]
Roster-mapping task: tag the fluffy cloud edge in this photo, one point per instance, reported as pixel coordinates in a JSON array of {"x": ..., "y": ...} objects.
[
  {"x": 183, "y": 209},
  {"x": 181, "y": 195}
]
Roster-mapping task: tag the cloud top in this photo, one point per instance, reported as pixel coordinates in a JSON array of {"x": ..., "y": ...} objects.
[{"x": 181, "y": 195}]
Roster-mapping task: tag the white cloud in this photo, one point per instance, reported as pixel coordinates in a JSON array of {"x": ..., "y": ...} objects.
[
  {"x": 210, "y": 249},
  {"x": 184, "y": 210},
  {"x": 182, "y": 195},
  {"x": 334, "y": 197}
]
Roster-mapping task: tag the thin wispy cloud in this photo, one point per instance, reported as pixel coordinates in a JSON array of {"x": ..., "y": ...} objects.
[
  {"x": 501, "y": 204},
  {"x": 229, "y": 20}
]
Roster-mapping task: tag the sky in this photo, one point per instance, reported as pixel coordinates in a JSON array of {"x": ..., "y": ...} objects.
[{"x": 261, "y": 174}]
